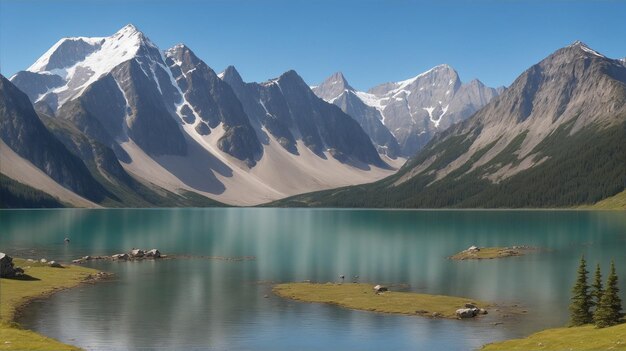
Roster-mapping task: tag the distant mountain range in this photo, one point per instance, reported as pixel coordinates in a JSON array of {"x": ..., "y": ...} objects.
[
  {"x": 115, "y": 121},
  {"x": 556, "y": 137},
  {"x": 412, "y": 111}
]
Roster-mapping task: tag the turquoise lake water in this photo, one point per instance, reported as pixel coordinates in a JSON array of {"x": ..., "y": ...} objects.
[{"x": 211, "y": 304}]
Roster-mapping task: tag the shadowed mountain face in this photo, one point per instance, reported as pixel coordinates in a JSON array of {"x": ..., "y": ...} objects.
[
  {"x": 412, "y": 110},
  {"x": 22, "y": 131},
  {"x": 555, "y": 137},
  {"x": 213, "y": 102},
  {"x": 288, "y": 109}
]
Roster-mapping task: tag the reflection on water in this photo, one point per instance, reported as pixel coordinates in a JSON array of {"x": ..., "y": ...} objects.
[{"x": 196, "y": 303}]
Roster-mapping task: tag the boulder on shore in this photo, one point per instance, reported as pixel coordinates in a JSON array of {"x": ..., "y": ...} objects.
[
  {"x": 7, "y": 268},
  {"x": 55, "y": 264},
  {"x": 380, "y": 288}
]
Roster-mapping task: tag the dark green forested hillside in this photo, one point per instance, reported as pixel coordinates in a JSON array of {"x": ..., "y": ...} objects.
[
  {"x": 17, "y": 195},
  {"x": 582, "y": 168}
]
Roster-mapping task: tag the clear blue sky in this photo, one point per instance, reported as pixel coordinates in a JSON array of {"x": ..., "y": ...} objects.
[{"x": 370, "y": 41}]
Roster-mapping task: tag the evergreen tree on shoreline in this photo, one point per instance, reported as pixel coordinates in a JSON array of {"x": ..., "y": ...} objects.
[
  {"x": 581, "y": 299},
  {"x": 596, "y": 288},
  {"x": 609, "y": 310}
]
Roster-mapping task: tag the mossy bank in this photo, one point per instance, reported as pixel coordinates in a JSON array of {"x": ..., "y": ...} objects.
[{"x": 39, "y": 280}]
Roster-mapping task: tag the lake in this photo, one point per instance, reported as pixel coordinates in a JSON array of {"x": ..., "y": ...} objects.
[{"x": 214, "y": 304}]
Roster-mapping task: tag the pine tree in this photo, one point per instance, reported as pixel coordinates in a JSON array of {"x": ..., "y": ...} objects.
[
  {"x": 581, "y": 299},
  {"x": 597, "y": 288},
  {"x": 609, "y": 311}
]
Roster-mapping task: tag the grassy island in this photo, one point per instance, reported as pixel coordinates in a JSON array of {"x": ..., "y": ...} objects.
[
  {"x": 586, "y": 337},
  {"x": 39, "y": 280},
  {"x": 487, "y": 253},
  {"x": 363, "y": 297}
]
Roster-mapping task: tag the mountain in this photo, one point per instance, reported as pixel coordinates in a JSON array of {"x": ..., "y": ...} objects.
[
  {"x": 43, "y": 156},
  {"x": 413, "y": 110},
  {"x": 554, "y": 138},
  {"x": 288, "y": 109},
  {"x": 31, "y": 154},
  {"x": 336, "y": 90},
  {"x": 147, "y": 120}
]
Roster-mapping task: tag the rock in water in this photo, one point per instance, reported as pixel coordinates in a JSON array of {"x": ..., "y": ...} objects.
[
  {"x": 467, "y": 312},
  {"x": 154, "y": 253},
  {"x": 136, "y": 253}
]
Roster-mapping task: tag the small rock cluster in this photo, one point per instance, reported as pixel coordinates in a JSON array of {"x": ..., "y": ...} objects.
[
  {"x": 53, "y": 264},
  {"x": 133, "y": 255},
  {"x": 470, "y": 311},
  {"x": 7, "y": 268},
  {"x": 91, "y": 278}
]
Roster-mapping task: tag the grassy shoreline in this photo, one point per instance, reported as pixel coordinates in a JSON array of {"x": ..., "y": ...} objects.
[
  {"x": 583, "y": 338},
  {"x": 362, "y": 297},
  {"x": 40, "y": 281}
]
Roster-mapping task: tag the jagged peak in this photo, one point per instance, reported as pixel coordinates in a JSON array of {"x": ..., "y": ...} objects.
[
  {"x": 337, "y": 80},
  {"x": 128, "y": 29},
  {"x": 435, "y": 70},
  {"x": 231, "y": 75},
  {"x": 178, "y": 50},
  {"x": 477, "y": 82},
  {"x": 584, "y": 47},
  {"x": 178, "y": 47}
]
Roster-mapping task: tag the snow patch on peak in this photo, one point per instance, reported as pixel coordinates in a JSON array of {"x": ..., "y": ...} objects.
[
  {"x": 402, "y": 85},
  {"x": 584, "y": 47},
  {"x": 40, "y": 65},
  {"x": 110, "y": 52}
]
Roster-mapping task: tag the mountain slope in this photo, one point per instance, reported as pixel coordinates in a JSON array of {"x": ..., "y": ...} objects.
[
  {"x": 554, "y": 138},
  {"x": 24, "y": 134}
]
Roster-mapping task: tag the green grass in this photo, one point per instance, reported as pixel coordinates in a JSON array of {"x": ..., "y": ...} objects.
[
  {"x": 616, "y": 202},
  {"x": 362, "y": 297},
  {"x": 576, "y": 338},
  {"x": 486, "y": 253},
  {"x": 41, "y": 280}
]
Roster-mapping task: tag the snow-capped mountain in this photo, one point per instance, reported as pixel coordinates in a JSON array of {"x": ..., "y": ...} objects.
[
  {"x": 415, "y": 109},
  {"x": 173, "y": 123},
  {"x": 336, "y": 90}
]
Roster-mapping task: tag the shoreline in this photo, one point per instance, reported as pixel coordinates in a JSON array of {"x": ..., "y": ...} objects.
[{"x": 38, "y": 283}]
